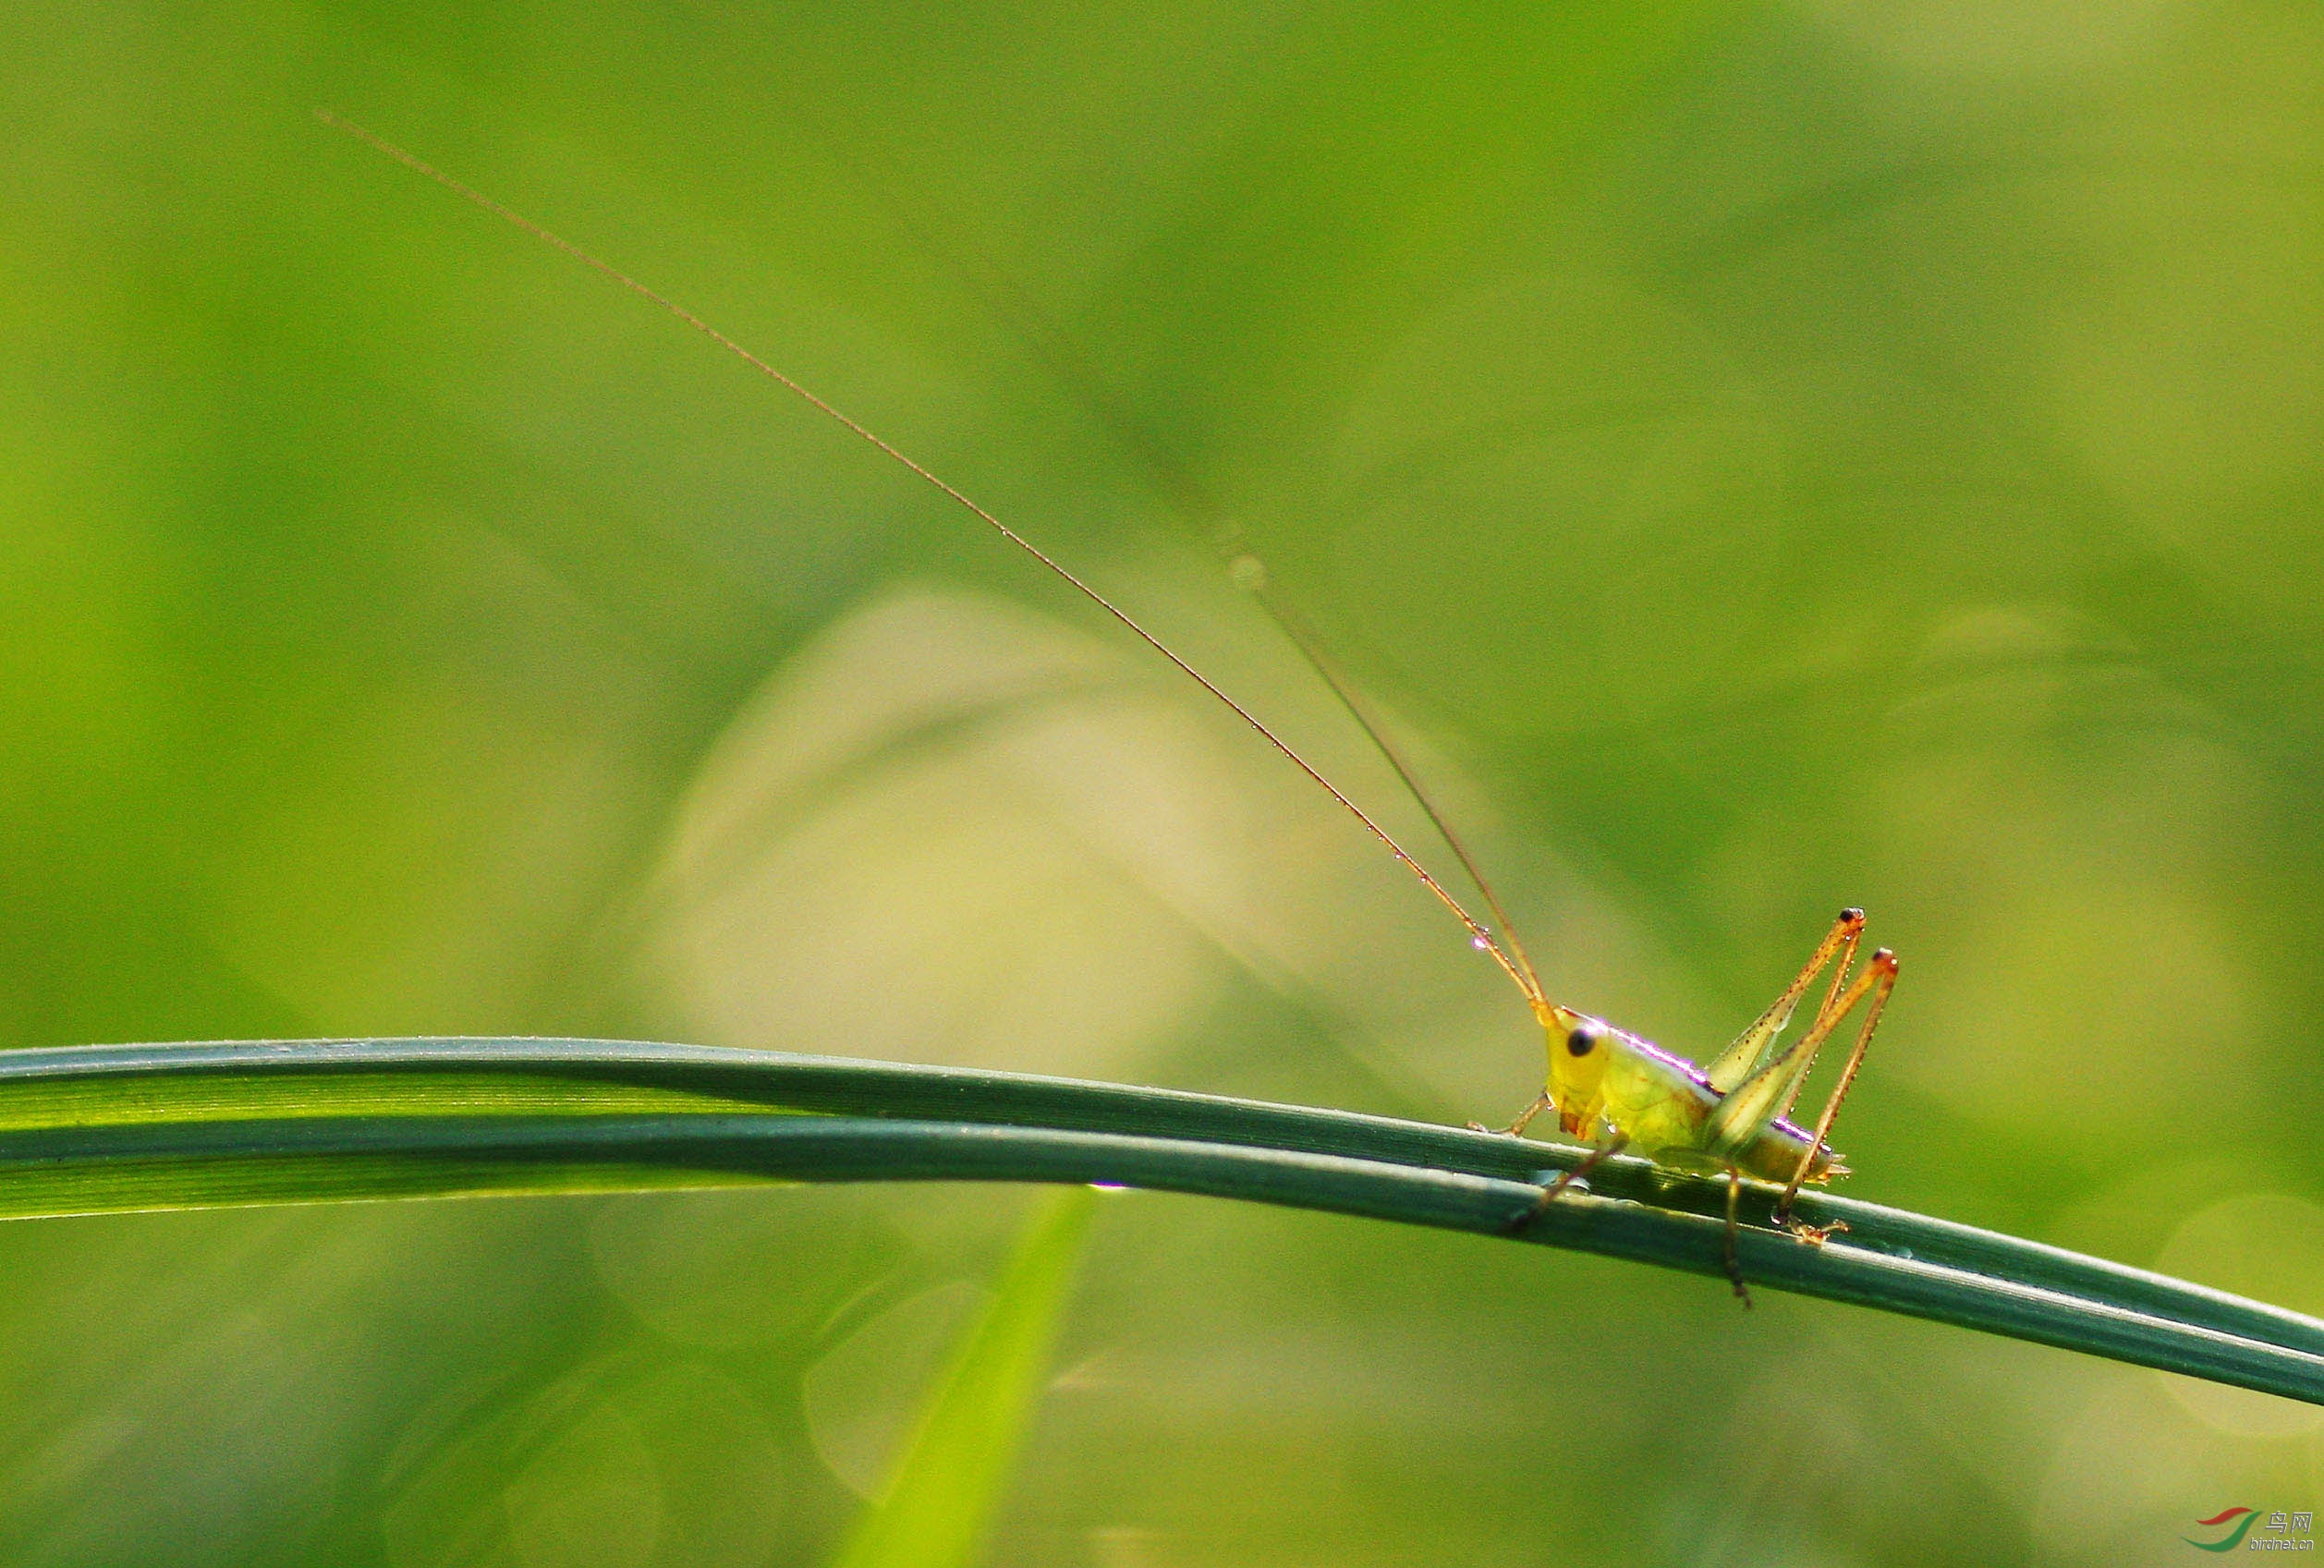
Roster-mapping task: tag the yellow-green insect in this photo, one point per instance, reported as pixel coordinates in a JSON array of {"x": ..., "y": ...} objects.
[
  {"x": 1610, "y": 1089},
  {"x": 1614, "y": 1090},
  {"x": 1617, "y": 1090}
]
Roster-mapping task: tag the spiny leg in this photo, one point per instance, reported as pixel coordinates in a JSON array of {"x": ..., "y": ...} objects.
[
  {"x": 1750, "y": 1050},
  {"x": 1735, "y": 1228},
  {"x": 1524, "y": 1118},
  {"x": 1752, "y": 1105},
  {"x": 1854, "y": 929},
  {"x": 1882, "y": 973},
  {"x": 1830, "y": 1006}
]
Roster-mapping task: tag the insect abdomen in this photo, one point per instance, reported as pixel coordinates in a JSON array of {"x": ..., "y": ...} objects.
[
  {"x": 1662, "y": 1103},
  {"x": 1774, "y": 1155}
]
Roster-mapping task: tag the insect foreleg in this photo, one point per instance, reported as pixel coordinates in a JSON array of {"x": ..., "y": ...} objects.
[{"x": 1541, "y": 1102}]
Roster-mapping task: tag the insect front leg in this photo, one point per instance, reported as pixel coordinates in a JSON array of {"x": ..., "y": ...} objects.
[{"x": 1524, "y": 1118}]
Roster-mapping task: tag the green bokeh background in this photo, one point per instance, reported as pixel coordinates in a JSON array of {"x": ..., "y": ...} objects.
[{"x": 1759, "y": 457}]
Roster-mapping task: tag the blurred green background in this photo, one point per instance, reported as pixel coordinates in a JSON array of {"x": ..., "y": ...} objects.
[{"x": 1761, "y": 458}]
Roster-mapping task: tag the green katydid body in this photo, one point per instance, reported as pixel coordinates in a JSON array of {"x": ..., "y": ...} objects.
[
  {"x": 1615, "y": 1091},
  {"x": 1622, "y": 1087}
]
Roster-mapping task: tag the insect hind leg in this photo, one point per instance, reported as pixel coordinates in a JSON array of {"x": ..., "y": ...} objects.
[
  {"x": 1598, "y": 1154},
  {"x": 1755, "y": 1048},
  {"x": 1881, "y": 974}
]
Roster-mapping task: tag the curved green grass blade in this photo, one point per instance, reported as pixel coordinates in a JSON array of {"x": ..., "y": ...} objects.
[
  {"x": 951, "y": 1476},
  {"x": 114, "y": 1127}
]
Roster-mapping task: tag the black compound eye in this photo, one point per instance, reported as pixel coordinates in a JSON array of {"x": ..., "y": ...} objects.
[{"x": 1582, "y": 1041}]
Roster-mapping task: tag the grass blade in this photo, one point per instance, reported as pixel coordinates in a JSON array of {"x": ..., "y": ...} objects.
[
  {"x": 951, "y": 1476},
  {"x": 98, "y": 1128}
]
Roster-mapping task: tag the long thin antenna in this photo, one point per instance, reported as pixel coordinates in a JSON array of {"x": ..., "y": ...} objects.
[
  {"x": 1000, "y": 295},
  {"x": 1251, "y": 574},
  {"x": 1478, "y": 932}
]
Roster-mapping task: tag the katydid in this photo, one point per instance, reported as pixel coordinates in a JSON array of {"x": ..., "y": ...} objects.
[{"x": 1610, "y": 1089}]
